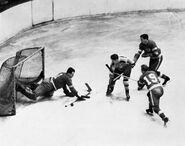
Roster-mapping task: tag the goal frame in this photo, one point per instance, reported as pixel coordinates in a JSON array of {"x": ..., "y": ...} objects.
[{"x": 42, "y": 50}]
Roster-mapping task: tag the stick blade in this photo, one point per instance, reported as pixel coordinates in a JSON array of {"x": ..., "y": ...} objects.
[{"x": 88, "y": 87}]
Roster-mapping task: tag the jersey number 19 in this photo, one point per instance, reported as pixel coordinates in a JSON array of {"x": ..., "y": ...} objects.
[{"x": 151, "y": 78}]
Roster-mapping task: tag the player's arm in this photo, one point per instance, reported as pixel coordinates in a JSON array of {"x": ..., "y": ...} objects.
[
  {"x": 129, "y": 61},
  {"x": 71, "y": 88},
  {"x": 67, "y": 92},
  {"x": 156, "y": 52},
  {"x": 136, "y": 56},
  {"x": 112, "y": 70},
  {"x": 147, "y": 54},
  {"x": 73, "y": 91}
]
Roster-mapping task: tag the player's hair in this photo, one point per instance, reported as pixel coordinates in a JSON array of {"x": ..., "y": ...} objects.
[
  {"x": 144, "y": 67},
  {"x": 70, "y": 70},
  {"x": 144, "y": 36},
  {"x": 114, "y": 56}
]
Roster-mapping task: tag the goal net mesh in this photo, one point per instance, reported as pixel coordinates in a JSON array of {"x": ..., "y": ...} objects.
[{"x": 26, "y": 67}]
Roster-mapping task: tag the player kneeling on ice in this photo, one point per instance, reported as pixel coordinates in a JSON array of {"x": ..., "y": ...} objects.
[
  {"x": 47, "y": 87},
  {"x": 151, "y": 80},
  {"x": 120, "y": 66}
]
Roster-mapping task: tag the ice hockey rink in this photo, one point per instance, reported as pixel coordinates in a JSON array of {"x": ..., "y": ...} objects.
[{"x": 86, "y": 44}]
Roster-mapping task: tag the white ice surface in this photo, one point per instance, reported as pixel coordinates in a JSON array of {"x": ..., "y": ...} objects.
[{"x": 86, "y": 45}]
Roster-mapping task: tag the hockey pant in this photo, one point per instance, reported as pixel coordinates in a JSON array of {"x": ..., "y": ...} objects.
[
  {"x": 155, "y": 63},
  {"x": 44, "y": 89},
  {"x": 154, "y": 100}
]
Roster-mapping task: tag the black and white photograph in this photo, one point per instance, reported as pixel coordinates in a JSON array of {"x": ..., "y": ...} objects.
[{"x": 92, "y": 72}]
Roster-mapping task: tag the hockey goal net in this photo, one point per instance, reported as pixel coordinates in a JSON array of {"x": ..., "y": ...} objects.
[{"x": 26, "y": 67}]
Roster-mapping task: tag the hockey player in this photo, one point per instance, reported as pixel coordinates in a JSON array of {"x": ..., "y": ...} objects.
[
  {"x": 119, "y": 66},
  {"x": 148, "y": 48},
  {"x": 150, "y": 79},
  {"x": 49, "y": 85}
]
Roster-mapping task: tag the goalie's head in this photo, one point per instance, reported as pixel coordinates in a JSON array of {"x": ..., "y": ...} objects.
[
  {"x": 70, "y": 71},
  {"x": 144, "y": 68}
]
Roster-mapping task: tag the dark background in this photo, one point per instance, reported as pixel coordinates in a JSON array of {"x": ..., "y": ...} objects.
[{"x": 6, "y": 4}]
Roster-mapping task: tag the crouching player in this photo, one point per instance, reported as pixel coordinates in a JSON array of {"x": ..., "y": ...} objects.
[
  {"x": 119, "y": 66},
  {"x": 151, "y": 80}
]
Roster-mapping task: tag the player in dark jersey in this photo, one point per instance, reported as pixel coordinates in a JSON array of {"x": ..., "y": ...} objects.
[
  {"x": 49, "y": 85},
  {"x": 151, "y": 80},
  {"x": 148, "y": 48},
  {"x": 119, "y": 65}
]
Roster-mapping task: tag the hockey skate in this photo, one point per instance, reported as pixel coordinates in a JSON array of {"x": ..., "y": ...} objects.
[
  {"x": 128, "y": 98},
  {"x": 149, "y": 112},
  {"x": 167, "y": 79},
  {"x": 109, "y": 92},
  {"x": 26, "y": 91},
  {"x": 165, "y": 120}
]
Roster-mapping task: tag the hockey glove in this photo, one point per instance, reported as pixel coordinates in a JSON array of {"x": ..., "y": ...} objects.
[
  {"x": 140, "y": 85},
  {"x": 67, "y": 93},
  {"x": 146, "y": 55}
]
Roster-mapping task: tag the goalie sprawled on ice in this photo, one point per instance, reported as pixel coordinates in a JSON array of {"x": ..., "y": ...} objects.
[
  {"x": 47, "y": 87},
  {"x": 24, "y": 75}
]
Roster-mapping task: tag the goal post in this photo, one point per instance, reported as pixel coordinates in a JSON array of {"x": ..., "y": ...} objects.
[{"x": 27, "y": 67}]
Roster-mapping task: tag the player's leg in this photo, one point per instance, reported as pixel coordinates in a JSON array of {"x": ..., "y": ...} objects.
[
  {"x": 151, "y": 104},
  {"x": 111, "y": 85},
  {"x": 126, "y": 85},
  {"x": 25, "y": 91},
  {"x": 156, "y": 94},
  {"x": 44, "y": 89},
  {"x": 154, "y": 65},
  {"x": 126, "y": 81}
]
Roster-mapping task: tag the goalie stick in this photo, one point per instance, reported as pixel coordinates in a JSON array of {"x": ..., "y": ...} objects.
[
  {"x": 82, "y": 97},
  {"x": 88, "y": 87}
]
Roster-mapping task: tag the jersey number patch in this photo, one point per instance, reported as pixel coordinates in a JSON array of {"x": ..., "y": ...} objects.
[{"x": 151, "y": 78}]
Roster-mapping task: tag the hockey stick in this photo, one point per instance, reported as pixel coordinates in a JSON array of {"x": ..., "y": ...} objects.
[
  {"x": 88, "y": 87},
  {"x": 130, "y": 78},
  {"x": 119, "y": 75},
  {"x": 82, "y": 96},
  {"x": 88, "y": 91},
  {"x": 109, "y": 68}
]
